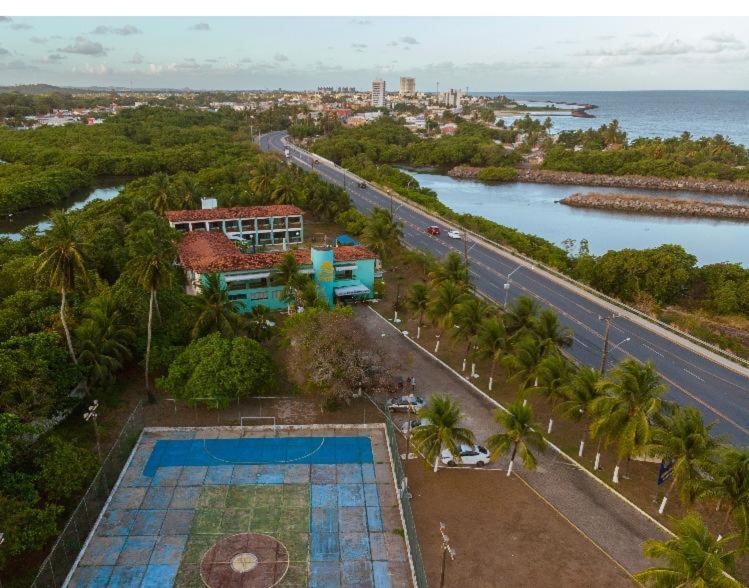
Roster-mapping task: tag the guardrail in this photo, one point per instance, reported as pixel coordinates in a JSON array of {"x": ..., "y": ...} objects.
[{"x": 553, "y": 271}]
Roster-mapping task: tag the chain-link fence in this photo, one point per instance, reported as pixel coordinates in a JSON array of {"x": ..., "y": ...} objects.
[{"x": 55, "y": 568}]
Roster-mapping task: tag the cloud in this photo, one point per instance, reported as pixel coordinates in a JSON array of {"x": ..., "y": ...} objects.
[
  {"x": 5, "y": 19},
  {"x": 211, "y": 60},
  {"x": 644, "y": 35},
  {"x": 39, "y": 40},
  {"x": 669, "y": 48},
  {"x": 201, "y": 26},
  {"x": 83, "y": 46},
  {"x": 393, "y": 44},
  {"x": 408, "y": 40},
  {"x": 4, "y": 51},
  {"x": 280, "y": 57},
  {"x": 123, "y": 31},
  {"x": 362, "y": 21},
  {"x": 52, "y": 58},
  {"x": 93, "y": 70},
  {"x": 21, "y": 26},
  {"x": 136, "y": 59},
  {"x": 17, "y": 65},
  {"x": 604, "y": 37},
  {"x": 360, "y": 47}
]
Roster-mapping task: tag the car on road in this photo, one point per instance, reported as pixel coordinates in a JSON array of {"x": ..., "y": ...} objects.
[
  {"x": 469, "y": 455},
  {"x": 433, "y": 230},
  {"x": 409, "y": 402},
  {"x": 412, "y": 424},
  {"x": 455, "y": 234}
]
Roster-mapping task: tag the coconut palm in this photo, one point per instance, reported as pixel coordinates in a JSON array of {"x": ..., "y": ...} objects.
[
  {"x": 161, "y": 198},
  {"x": 578, "y": 394},
  {"x": 550, "y": 333},
  {"x": 62, "y": 263},
  {"x": 442, "y": 431},
  {"x": 693, "y": 558},
  {"x": 152, "y": 250},
  {"x": 523, "y": 364},
  {"x": 262, "y": 176},
  {"x": 288, "y": 275},
  {"x": 258, "y": 322},
  {"x": 729, "y": 484},
  {"x": 443, "y": 304},
  {"x": 520, "y": 435},
  {"x": 310, "y": 296},
  {"x": 189, "y": 195},
  {"x": 215, "y": 311},
  {"x": 468, "y": 318},
  {"x": 684, "y": 438},
  {"x": 417, "y": 302},
  {"x": 382, "y": 233},
  {"x": 493, "y": 343},
  {"x": 285, "y": 189},
  {"x": 624, "y": 412},
  {"x": 451, "y": 269},
  {"x": 554, "y": 373},
  {"x": 104, "y": 340},
  {"x": 520, "y": 316}
]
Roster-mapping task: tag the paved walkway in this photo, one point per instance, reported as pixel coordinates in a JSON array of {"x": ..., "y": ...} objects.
[{"x": 608, "y": 521}]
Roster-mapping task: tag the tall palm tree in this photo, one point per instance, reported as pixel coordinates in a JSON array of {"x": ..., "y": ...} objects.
[
  {"x": 684, "y": 438},
  {"x": 258, "y": 323},
  {"x": 188, "y": 193},
  {"x": 692, "y": 558},
  {"x": 442, "y": 431},
  {"x": 288, "y": 275},
  {"x": 554, "y": 374},
  {"x": 62, "y": 262},
  {"x": 215, "y": 311},
  {"x": 443, "y": 304},
  {"x": 633, "y": 396},
  {"x": 550, "y": 333},
  {"x": 262, "y": 176},
  {"x": 524, "y": 362},
  {"x": 152, "y": 251},
  {"x": 310, "y": 296},
  {"x": 729, "y": 484},
  {"x": 104, "y": 340},
  {"x": 578, "y": 395},
  {"x": 521, "y": 316},
  {"x": 493, "y": 343},
  {"x": 382, "y": 233},
  {"x": 520, "y": 435},
  {"x": 417, "y": 302},
  {"x": 161, "y": 198},
  {"x": 285, "y": 189},
  {"x": 451, "y": 269},
  {"x": 468, "y": 318}
]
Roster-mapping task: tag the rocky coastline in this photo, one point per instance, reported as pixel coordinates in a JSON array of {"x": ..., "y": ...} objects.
[
  {"x": 655, "y": 205},
  {"x": 543, "y": 176}
]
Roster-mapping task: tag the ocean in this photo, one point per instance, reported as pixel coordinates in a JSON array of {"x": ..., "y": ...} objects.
[{"x": 654, "y": 113}]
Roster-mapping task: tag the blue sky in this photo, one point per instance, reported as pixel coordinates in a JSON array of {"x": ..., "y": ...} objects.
[{"x": 483, "y": 53}]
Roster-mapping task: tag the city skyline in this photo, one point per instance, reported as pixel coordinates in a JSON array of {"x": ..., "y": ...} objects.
[{"x": 298, "y": 53}]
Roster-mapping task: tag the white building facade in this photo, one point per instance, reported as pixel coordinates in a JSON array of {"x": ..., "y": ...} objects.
[{"x": 378, "y": 94}]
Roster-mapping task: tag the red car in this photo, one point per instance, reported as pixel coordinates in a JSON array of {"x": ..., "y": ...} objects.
[{"x": 433, "y": 230}]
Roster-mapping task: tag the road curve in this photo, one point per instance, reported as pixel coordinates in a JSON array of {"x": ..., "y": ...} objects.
[{"x": 719, "y": 392}]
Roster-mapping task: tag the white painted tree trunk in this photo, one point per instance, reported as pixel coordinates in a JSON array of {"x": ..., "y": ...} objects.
[
  {"x": 582, "y": 446},
  {"x": 473, "y": 369},
  {"x": 525, "y": 401},
  {"x": 418, "y": 332},
  {"x": 491, "y": 381},
  {"x": 464, "y": 365},
  {"x": 509, "y": 468},
  {"x": 395, "y": 317},
  {"x": 615, "y": 479},
  {"x": 663, "y": 505},
  {"x": 436, "y": 463},
  {"x": 551, "y": 424},
  {"x": 597, "y": 461},
  {"x": 437, "y": 347}
]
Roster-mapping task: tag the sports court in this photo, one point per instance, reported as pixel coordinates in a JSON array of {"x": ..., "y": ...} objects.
[{"x": 251, "y": 507}]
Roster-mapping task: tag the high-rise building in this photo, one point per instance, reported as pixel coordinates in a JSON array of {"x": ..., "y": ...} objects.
[
  {"x": 408, "y": 87},
  {"x": 451, "y": 98},
  {"x": 378, "y": 93}
]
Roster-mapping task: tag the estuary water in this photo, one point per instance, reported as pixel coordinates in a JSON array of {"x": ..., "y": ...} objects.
[{"x": 532, "y": 208}]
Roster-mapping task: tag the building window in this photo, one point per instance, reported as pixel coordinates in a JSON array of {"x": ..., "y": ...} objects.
[
  {"x": 278, "y": 294},
  {"x": 197, "y": 227},
  {"x": 344, "y": 274},
  {"x": 182, "y": 227},
  {"x": 236, "y": 286},
  {"x": 295, "y": 222},
  {"x": 263, "y": 224},
  {"x": 279, "y": 222},
  {"x": 258, "y": 295},
  {"x": 279, "y": 236},
  {"x": 232, "y": 226},
  {"x": 248, "y": 224},
  {"x": 237, "y": 296},
  {"x": 216, "y": 226},
  {"x": 264, "y": 239}
]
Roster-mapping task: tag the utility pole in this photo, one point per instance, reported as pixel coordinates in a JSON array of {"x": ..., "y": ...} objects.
[
  {"x": 446, "y": 550},
  {"x": 605, "y": 352},
  {"x": 92, "y": 415}
]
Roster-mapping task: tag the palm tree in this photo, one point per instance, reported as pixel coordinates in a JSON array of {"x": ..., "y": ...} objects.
[
  {"x": 310, "y": 296},
  {"x": 189, "y": 194},
  {"x": 493, "y": 343},
  {"x": 451, "y": 269},
  {"x": 62, "y": 261},
  {"x": 152, "y": 253},
  {"x": 443, "y": 304},
  {"x": 290, "y": 277},
  {"x": 262, "y": 176},
  {"x": 215, "y": 311},
  {"x": 442, "y": 431},
  {"x": 632, "y": 398},
  {"x": 521, "y": 435},
  {"x": 285, "y": 190},
  {"x": 729, "y": 483},
  {"x": 521, "y": 315},
  {"x": 258, "y": 323},
  {"x": 684, "y": 438},
  {"x": 524, "y": 362},
  {"x": 550, "y": 333},
  {"x": 692, "y": 558},
  {"x": 417, "y": 301},
  {"x": 161, "y": 198},
  {"x": 578, "y": 395},
  {"x": 468, "y": 318},
  {"x": 554, "y": 373},
  {"x": 104, "y": 340},
  {"x": 382, "y": 233}
]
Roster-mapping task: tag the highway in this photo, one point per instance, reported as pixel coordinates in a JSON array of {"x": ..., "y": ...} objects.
[{"x": 717, "y": 387}]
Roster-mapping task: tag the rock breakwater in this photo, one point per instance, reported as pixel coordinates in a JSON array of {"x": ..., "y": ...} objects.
[{"x": 654, "y": 205}]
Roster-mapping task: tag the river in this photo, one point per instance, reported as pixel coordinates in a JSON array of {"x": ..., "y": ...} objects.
[
  {"x": 11, "y": 225},
  {"x": 532, "y": 208}
]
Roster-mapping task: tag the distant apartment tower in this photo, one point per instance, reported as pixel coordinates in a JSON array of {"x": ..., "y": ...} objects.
[
  {"x": 451, "y": 98},
  {"x": 408, "y": 87},
  {"x": 378, "y": 93}
]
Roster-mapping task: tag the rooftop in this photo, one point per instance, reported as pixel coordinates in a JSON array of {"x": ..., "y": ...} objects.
[
  {"x": 205, "y": 252},
  {"x": 236, "y": 212}
]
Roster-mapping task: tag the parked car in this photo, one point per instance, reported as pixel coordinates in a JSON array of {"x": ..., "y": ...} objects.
[
  {"x": 412, "y": 424},
  {"x": 455, "y": 234},
  {"x": 469, "y": 455},
  {"x": 410, "y": 402},
  {"x": 432, "y": 230}
]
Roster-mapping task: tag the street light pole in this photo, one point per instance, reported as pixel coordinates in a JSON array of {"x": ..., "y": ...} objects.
[
  {"x": 508, "y": 282},
  {"x": 92, "y": 415},
  {"x": 605, "y": 352}
]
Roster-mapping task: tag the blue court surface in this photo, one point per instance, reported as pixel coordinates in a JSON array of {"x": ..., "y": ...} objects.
[{"x": 318, "y": 511}]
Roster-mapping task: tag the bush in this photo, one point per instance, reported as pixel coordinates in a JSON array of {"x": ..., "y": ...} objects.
[
  {"x": 64, "y": 469},
  {"x": 498, "y": 174}
]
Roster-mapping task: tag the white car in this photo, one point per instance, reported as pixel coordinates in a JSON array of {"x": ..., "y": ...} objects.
[
  {"x": 412, "y": 424},
  {"x": 469, "y": 455},
  {"x": 411, "y": 402},
  {"x": 454, "y": 234}
]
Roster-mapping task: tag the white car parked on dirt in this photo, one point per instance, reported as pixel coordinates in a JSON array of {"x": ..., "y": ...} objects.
[
  {"x": 412, "y": 424},
  {"x": 411, "y": 402},
  {"x": 469, "y": 455}
]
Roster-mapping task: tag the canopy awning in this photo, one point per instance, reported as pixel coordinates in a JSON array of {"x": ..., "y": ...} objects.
[
  {"x": 241, "y": 277},
  {"x": 350, "y": 290},
  {"x": 343, "y": 268}
]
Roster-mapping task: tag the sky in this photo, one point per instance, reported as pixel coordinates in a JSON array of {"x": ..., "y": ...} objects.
[{"x": 297, "y": 53}]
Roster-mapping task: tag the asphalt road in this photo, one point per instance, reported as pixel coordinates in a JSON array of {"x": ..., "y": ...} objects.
[{"x": 721, "y": 393}]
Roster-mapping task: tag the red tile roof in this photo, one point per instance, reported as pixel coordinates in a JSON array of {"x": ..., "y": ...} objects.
[
  {"x": 206, "y": 252},
  {"x": 236, "y": 212}
]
